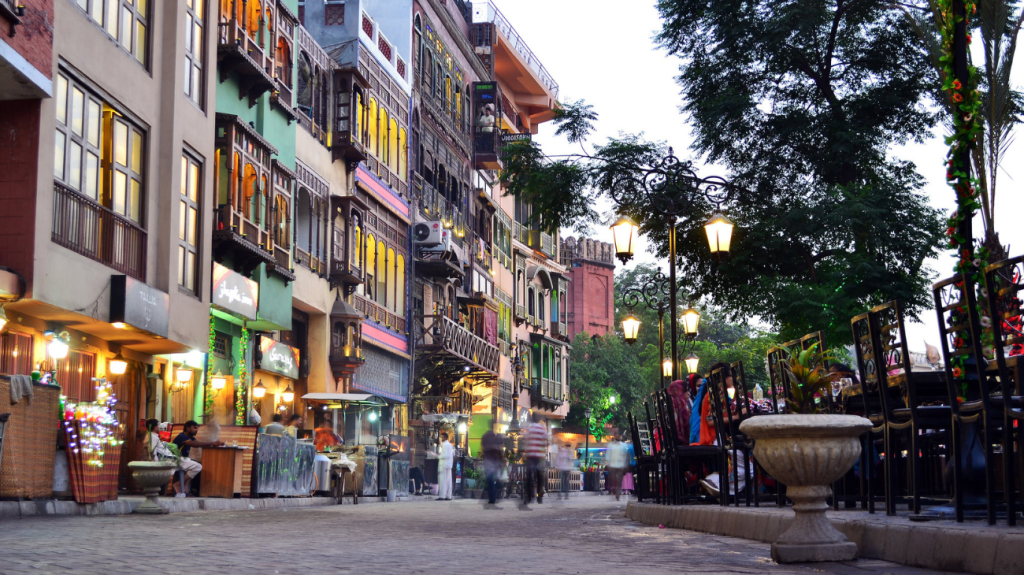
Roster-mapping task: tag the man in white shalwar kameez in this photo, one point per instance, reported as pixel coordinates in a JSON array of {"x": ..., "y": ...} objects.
[{"x": 445, "y": 459}]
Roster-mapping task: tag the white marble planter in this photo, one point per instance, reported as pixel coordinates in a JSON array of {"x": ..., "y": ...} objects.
[
  {"x": 807, "y": 453},
  {"x": 151, "y": 476}
]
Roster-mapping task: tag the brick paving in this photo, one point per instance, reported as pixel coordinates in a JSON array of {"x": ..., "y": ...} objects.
[{"x": 584, "y": 535}]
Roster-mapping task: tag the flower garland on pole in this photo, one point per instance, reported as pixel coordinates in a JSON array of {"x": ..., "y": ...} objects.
[
  {"x": 208, "y": 386},
  {"x": 243, "y": 374},
  {"x": 966, "y": 104}
]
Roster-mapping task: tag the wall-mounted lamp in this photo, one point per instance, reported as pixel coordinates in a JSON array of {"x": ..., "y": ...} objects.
[
  {"x": 259, "y": 390},
  {"x": 218, "y": 382},
  {"x": 118, "y": 365},
  {"x": 288, "y": 394}
]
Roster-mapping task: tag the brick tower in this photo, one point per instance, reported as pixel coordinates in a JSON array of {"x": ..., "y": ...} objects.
[{"x": 591, "y": 266}]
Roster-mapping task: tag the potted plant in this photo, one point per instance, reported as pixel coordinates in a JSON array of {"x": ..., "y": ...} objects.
[
  {"x": 152, "y": 475},
  {"x": 807, "y": 451}
]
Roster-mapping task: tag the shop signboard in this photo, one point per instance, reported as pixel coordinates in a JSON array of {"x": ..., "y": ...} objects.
[
  {"x": 279, "y": 358},
  {"x": 510, "y": 138},
  {"x": 136, "y": 304},
  {"x": 235, "y": 293}
]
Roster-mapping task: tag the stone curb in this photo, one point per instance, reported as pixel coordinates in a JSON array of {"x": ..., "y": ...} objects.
[
  {"x": 124, "y": 506},
  {"x": 969, "y": 548}
]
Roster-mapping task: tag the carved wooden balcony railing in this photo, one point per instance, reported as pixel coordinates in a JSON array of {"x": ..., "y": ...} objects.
[
  {"x": 87, "y": 228},
  {"x": 548, "y": 391},
  {"x": 436, "y": 208},
  {"x": 238, "y": 52},
  {"x": 380, "y": 314},
  {"x": 254, "y": 243},
  {"x": 440, "y": 332}
]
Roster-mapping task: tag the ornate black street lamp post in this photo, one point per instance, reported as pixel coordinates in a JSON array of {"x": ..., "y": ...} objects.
[
  {"x": 669, "y": 190},
  {"x": 654, "y": 293}
]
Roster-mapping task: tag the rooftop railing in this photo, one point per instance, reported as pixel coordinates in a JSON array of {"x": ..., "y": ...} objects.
[{"x": 486, "y": 12}]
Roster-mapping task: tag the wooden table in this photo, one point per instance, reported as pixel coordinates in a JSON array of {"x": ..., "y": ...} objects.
[{"x": 222, "y": 472}]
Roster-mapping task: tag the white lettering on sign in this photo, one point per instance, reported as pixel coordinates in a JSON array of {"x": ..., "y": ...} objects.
[
  {"x": 232, "y": 295},
  {"x": 281, "y": 358}
]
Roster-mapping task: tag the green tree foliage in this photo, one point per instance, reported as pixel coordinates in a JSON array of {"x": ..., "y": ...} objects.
[
  {"x": 605, "y": 366},
  {"x": 802, "y": 102}
]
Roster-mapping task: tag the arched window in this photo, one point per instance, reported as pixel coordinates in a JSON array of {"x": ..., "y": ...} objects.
[
  {"x": 269, "y": 28},
  {"x": 392, "y": 280},
  {"x": 530, "y": 304},
  {"x": 284, "y": 62},
  {"x": 360, "y": 110},
  {"x": 282, "y": 222},
  {"x": 264, "y": 204},
  {"x": 357, "y": 242},
  {"x": 382, "y": 276},
  {"x": 248, "y": 188},
  {"x": 558, "y": 366},
  {"x": 394, "y": 152},
  {"x": 372, "y": 128},
  {"x": 438, "y": 80},
  {"x": 457, "y": 112},
  {"x": 303, "y": 221},
  {"x": 400, "y": 285},
  {"x": 384, "y": 150},
  {"x": 448, "y": 102},
  {"x": 403, "y": 154},
  {"x": 253, "y": 21},
  {"x": 540, "y": 306},
  {"x": 371, "y": 262}
]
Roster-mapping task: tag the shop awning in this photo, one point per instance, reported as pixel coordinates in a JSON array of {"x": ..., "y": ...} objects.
[{"x": 345, "y": 398}]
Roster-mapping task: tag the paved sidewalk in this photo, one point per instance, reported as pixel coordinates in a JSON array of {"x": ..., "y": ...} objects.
[{"x": 583, "y": 535}]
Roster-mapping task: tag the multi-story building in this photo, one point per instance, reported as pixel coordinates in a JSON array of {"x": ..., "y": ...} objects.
[
  {"x": 368, "y": 49},
  {"x": 591, "y": 296},
  {"x": 106, "y": 198}
]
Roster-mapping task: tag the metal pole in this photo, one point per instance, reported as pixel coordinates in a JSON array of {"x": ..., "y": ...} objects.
[
  {"x": 661, "y": 344},
  {"x": 586, "y": 452},
  {"x": 672, "y": 295}
]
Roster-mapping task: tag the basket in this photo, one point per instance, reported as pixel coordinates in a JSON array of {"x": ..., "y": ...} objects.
[{"x": 30, "y": 442}]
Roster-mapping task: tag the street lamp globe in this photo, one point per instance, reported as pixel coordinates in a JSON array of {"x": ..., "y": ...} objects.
[
  {"x": 692, "y": 362},
  {"x": 666, "y": 367},
  {"x": 611, "y": 399},
  {"x": 288, "y": 394},
  {"x": 624, "y": 233},
  {"x": 259, "y": 390},
  {"x": 691, "y": 319},
  {"x": 118, "y": 365},
  {"x": 588, "y": 412},
  {"x": 630, "y": 328},
  {"x": 719, "y": 230}
]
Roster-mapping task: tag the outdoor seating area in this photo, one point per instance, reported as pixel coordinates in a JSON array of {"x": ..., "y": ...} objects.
[{"x": 945, "y": 441}]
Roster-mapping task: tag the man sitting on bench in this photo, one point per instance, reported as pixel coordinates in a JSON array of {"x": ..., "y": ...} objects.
[{"x": 185, "y": 441}]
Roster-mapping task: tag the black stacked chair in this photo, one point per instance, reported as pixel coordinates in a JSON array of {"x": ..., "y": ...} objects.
[
  {"x": 646, "y": 460},
  {"x": 679, "y": 455},
  {"x": 867, "y": 361},
  {"x": 968, "y": 378},
  {"x": 729, "y": 413},
  {"x": 1003, "y": 282}
]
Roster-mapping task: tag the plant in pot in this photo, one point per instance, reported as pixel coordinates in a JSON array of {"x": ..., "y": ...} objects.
[
  {"x": 807, "y": 451},
  {"x": 152, "y": 475}
]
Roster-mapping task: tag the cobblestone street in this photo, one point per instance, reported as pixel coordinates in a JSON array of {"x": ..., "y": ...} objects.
[{"x": 585, "y": 535}]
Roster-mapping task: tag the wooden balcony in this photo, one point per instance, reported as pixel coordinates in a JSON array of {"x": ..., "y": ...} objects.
[
  {"x": 379, "y": 314},
  {"x": 249, "y": 244},
  {"x": 283, "y": 263},
  {"x": 282, "y": 98},
  {"x": 345, "y": 360},
  {"x": 456, "y": 346},
  {"x": 547, "y": 391},
  {"x": 238, "y": 52},
  {"x": 311, "y": 263},
  {"x": 90, "y": 229},
  {"x": 345, "y": 275}
]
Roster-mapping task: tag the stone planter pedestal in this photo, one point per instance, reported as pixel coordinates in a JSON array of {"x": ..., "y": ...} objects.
[
  {"x": 807, "y": 453},
  {"x": 151, "y": 476}
]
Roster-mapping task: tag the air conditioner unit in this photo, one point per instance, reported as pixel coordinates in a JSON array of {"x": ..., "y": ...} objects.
[
  {"x": 428, "y": 233},
  {"x": 443, "y": 245}
]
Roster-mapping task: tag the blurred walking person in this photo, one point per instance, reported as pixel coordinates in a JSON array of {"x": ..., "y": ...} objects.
[
  {"x": 445, "y": 460},
  {"x": 493, "y": 451},
  {"x": 564, "y": 462},
  {"x": 535, "y": 441},
  {"x": 616, "y": 458}
]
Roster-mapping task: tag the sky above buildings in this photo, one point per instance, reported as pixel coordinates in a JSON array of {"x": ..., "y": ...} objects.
[{"x": 603, "y": 51}]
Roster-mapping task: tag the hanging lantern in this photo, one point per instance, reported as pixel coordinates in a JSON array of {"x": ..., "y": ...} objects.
[
  {"x": 183, "y": 375},
  {"x": 666, "y": 367},
  {"x": 624, "y": 233},
  {"x": 118, "y": 365},
  {"x": 259, "y": 390},
  {"x": 630, "y": 328},
  {"x": 692, "y": 362},
  {"x": 690, "y": 319},
  {"x": 288, "y": 394},
  {"x": 58, "y": 348},
  {"x": 719, "y": 230}
]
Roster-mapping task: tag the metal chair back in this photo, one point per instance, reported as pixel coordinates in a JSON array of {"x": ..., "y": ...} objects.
[
  {"x": 960, "y": 333},
  {"x": 1003, "y": 283}
]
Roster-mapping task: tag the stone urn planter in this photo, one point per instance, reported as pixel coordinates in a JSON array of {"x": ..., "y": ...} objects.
[
  {"x": 151, "y": 476},
  {"x": 807, "y": 453}
]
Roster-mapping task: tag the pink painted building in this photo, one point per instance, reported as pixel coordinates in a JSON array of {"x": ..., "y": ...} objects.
[{"x": 591, "y": 304}]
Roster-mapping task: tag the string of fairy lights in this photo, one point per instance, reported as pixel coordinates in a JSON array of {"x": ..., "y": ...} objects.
[{"x": 97, "y": 423}]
